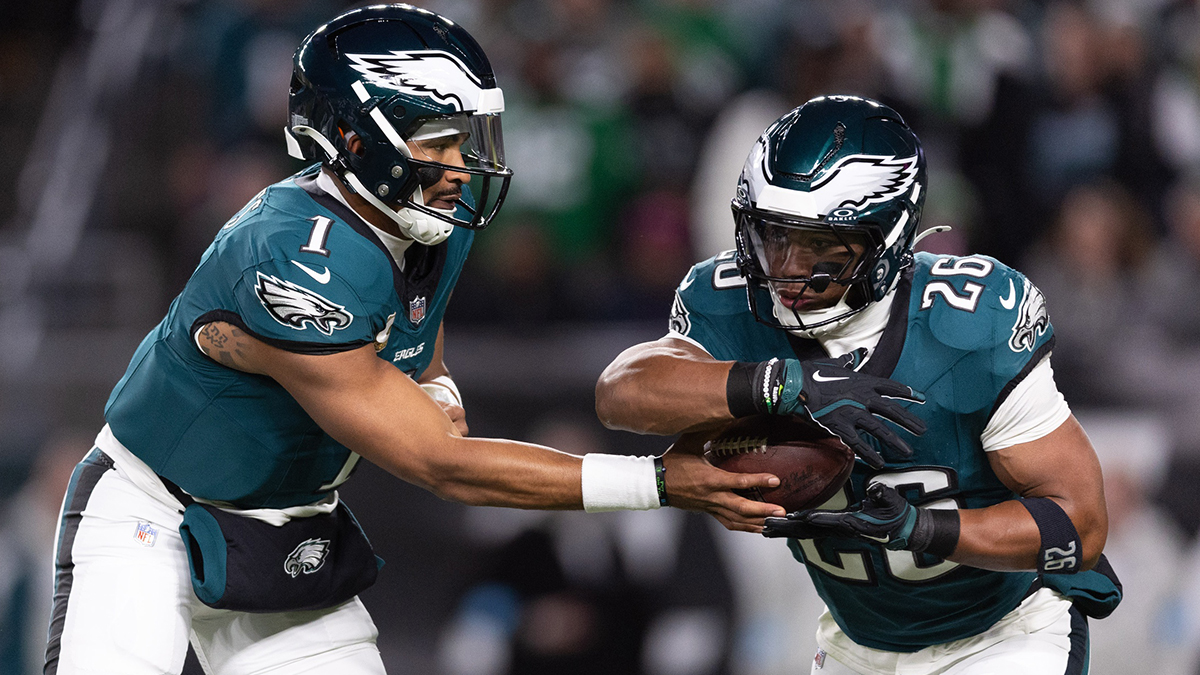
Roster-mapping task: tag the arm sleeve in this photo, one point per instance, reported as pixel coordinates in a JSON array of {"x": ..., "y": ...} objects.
[{"x": 1033, "y": 409}]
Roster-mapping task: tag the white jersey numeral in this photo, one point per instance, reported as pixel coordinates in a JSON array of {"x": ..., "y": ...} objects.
[
  {"x": 971, "y": 266},
  {"x": 316, "y": 238},
  {"x": 902, "y": 565},
  {"x": 967, "y": 301}
]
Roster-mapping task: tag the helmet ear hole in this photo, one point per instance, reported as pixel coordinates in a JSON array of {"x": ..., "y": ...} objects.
[{"x": 354, "y": 142}]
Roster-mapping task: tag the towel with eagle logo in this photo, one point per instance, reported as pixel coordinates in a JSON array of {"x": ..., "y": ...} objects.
[{"x": 299, "y": 270}]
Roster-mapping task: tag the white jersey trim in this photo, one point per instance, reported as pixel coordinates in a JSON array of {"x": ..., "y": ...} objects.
[
  {"x": 681, "y": 336},
  {"x": 140, "y": 474},
  {"x": 1033, "y": 409}
]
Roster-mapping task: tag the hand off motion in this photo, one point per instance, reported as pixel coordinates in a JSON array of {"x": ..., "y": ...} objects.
[
  {"x": 843, "y": 402},
  {"x": 694, "y": 484},
  {"x": 884, "y": 517}
]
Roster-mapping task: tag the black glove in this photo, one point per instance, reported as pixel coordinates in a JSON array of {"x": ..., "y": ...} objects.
[
  {"x": 841, "y": 401},
  {"x": 884, "y": 517}
]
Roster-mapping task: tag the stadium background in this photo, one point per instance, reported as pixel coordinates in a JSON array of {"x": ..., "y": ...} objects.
[{"x": 1062, "y": 138}]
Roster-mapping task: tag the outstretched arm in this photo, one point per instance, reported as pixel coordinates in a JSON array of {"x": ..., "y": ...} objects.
[{"x": 375, "y": 410}]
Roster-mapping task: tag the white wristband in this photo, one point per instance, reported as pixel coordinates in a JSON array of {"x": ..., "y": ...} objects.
[
  {"x": 618, "y": 482},
  {"x": 442, "y": 388}
]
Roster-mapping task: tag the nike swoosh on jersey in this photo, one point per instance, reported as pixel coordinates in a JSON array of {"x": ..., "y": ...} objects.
[
  {"x": 882, "y": 540},
  {"x": 822, "y": 378},
  {"x": 687, "y": 281},
  {"x": 320, "y": 277},
  {"x": 1011, "y": 300}
]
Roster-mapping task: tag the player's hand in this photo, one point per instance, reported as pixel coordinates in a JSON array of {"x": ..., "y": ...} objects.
[
  {"x": 844, "y": 402},
  {"x": 457, "y": 415},
  {"x": 451, "y": 407},
  {"x": 694, "y": 484},
  {"x": 884, "y": 518}
]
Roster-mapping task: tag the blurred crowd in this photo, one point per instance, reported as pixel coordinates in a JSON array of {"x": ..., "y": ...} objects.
[{"x": 1062, "y": 136}]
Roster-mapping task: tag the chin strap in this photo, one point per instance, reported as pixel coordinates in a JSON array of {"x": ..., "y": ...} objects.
[{"x": 420, "y": 227}]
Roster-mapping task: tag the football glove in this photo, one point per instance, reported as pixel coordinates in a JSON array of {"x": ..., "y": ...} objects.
[
  {"x": 842, "y": 401},
  {"x": 883, "y": 518}
]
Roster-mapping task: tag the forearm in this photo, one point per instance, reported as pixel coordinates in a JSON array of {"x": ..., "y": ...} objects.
[
  {"x": 428, "y": 452},
  {"x": 660, "y": 389},
  {"x": 1005, "y": 537}
]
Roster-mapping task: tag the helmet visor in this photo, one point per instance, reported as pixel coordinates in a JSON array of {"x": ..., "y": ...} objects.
[
  {"x": 470, "y": 146},
  {"x": 794, "y": 251}
]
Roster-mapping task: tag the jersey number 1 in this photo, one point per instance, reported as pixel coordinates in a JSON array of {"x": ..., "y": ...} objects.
[{"x": 316, "y": 238}]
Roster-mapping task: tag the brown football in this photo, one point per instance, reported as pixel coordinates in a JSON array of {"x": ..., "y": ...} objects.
[{"x": 811, "y": 464}]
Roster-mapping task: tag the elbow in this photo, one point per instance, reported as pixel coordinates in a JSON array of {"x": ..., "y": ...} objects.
[
  {"x": 610, "y": 406},
  {"x": 1093, "y": 539}
]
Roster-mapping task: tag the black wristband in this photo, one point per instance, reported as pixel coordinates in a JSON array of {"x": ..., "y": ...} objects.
[
  {"x": 660, "y": 480},
  {"x": 1062, "y": 550},
  {"x": 742, "y": 389},
  {"x": 936, "y": 532}
]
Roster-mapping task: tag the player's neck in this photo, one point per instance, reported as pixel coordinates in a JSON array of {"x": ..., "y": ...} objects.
[
  {"x": 387, "y": 231},
  {"x": 863, "y": 330}
]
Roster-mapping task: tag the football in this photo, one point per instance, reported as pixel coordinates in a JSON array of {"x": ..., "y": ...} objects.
[{"x": 811, "y": 464}]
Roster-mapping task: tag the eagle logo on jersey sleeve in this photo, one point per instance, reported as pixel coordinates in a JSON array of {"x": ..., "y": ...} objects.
[
  {"x": 1032, "y": 320},
  {"x": 680, "y": 323},
  {"x": 293, "y": 305},
  {"x": 307, "y": 557}
]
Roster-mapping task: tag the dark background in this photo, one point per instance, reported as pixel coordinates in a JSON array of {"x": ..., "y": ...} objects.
[{"x": 1062, "y": 137}]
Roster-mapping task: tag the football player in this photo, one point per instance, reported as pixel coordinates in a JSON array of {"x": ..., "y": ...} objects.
[
  {"x": 309, "y": 335},
  {"x": 960, "y": 543}
]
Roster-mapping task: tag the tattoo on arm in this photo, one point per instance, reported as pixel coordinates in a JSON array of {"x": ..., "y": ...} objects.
[{"x": 225, "y": 344}]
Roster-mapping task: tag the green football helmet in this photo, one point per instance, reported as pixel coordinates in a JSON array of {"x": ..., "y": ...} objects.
[
  {"x": 830, "y": 196},
  {"x": 388, "y": 74}
]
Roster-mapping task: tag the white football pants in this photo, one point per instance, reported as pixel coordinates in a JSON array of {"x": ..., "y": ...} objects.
[
  {"x": 123, "y": 600},
  {"x": 1045, "y": 635}
]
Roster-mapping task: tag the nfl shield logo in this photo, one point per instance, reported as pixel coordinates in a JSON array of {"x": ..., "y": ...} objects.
[
  {"x": 146, "y": 533},
  {"x": 416, "y": 310}
]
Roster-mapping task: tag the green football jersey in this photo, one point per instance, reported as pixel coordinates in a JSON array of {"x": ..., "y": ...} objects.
[
  {"x": 963, "y": 330},
  {"x": 300, "y": 271}
]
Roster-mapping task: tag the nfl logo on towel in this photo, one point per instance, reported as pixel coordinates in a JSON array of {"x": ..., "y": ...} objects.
[
  {"x": 416, "y": 310},
  {"x": 146, "y": 533}
]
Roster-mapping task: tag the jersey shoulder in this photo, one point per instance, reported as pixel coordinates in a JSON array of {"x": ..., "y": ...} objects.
[
  {"x": 711, "y": 310},
  {"x": 714, "y": 287},
  {"x": 976, "y": 302},
  {"x": 285, "y": 233},
  {"x": 297, "y": 271}
]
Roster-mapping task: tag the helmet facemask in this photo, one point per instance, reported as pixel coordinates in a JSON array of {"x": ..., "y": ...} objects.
[
  {"x": 461, "y": 144},
  {"x": 808, "y": 273}
]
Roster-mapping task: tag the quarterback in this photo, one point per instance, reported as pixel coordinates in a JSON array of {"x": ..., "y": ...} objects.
[
  {"x": 309, "y": 335},
  {"x": 968, "y": 539}
]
